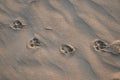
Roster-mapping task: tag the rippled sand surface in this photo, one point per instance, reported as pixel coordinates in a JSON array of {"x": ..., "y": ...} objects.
[{"x": 57, "y": 22}]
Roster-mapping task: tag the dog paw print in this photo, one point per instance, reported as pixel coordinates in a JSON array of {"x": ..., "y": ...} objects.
[
  {"x": 67, "y": 49},
  {"x": 100, "y": 45},
  {"x": 34, "y": 43},
  {"x": 17, "y": 25}
]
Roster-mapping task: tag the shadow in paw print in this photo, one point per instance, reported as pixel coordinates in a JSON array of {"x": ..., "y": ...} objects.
[
  {"x": 17, "y": 25},
  {"x": 34, "y": 43},
  {"x": 100, "y": 45},
  {"x": 67, "y": 49}
]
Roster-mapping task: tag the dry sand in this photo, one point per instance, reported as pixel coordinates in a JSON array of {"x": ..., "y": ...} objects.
[{"x": 57, "y": 22}]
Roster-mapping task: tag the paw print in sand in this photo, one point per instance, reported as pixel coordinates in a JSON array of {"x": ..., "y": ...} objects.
[
  {"x": 17, "y": 25},
  {"x": 100, "y": 45},
  {"x": 67, "y": 49},
  {"x": 34, "y": 43}
]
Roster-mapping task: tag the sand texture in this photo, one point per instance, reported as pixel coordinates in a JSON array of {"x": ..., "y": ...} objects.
[{"x": 59, "y": 39}]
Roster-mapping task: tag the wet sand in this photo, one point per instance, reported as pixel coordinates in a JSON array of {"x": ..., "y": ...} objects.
[{"x": 54, "y": 23}]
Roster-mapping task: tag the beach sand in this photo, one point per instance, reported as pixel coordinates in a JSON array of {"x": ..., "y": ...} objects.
[{"x": 56, "y": 22}]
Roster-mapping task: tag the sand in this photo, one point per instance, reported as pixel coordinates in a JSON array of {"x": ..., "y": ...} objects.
[{"x": 56, "y": 22}]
